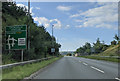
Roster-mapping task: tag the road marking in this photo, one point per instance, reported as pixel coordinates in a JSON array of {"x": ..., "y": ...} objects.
[
  {"x": 97, "y": 69},
  {"x": 85, "y": 64},
  {"x": 117, "y": 79}
]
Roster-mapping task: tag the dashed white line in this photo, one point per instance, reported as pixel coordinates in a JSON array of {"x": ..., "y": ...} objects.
[
  {"x": 117, "y": 79},
  {"x": 85, "y": 64},
  {"x": 97, "y": 69}
]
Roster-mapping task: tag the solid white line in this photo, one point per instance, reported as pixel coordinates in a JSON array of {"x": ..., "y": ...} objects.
[
  {"x": 97, "y": 69},
  {"x": 117, "y": 79},
  {"x": 85, "y": 64}
]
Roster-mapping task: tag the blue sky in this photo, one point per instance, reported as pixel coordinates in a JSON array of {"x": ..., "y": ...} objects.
[{"x": 76, "y": 22}]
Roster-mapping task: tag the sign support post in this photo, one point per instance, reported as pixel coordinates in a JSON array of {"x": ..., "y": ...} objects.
[{"x": 22, "y": 56}]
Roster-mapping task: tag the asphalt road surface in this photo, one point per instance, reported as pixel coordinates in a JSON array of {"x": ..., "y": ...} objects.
[{"x": 79, "y": 68}]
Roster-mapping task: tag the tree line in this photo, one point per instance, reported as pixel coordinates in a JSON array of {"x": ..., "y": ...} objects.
[
  {"x": 97, "y": 47},
  {"x": 41, "y": 40}
]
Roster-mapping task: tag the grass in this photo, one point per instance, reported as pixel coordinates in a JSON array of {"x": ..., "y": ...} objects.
[
  {"x": 101, "y": 58},
  {"x": 111, "y": 51},
  {"x": 20, "y": 72}
]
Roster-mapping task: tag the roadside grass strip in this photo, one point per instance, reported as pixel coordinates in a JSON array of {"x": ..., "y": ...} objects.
[
  {"x": 20, "y": 72},
  {"x": 102, "y": 58}
]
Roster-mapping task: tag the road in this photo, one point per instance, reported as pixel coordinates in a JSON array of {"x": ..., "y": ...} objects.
[{"x": 79, "y": 68}]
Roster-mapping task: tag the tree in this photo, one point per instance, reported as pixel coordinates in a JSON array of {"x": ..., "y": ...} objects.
[
  {"x": 113, "y": 42},
  {"x": 99, "y": 47},
  {"x": 116, "y": 37},
  {"x": 86, "y": 49},
  {"x": 41, "y": 40}
]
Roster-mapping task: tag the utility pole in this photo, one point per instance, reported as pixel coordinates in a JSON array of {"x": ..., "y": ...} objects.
[
  {"x": 52, "y": 30},
  {"x": 28, "y": 25},
  {"x": 52, "y": 49},
  {"x": 28, "y": 33}
]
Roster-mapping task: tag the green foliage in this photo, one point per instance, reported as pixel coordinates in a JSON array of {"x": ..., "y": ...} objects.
[
  {"x": 113, "y": 42},
  {"x": 20, "y": 72},
  {"x": 41, "y": 41},
  {"x": 87, "y": 49},
  {"x": 110, "y": 51},
  {"x": 8, "y": 58},
  {"x": 116, "y": 37},
  {"x": 102, "y": 58}
]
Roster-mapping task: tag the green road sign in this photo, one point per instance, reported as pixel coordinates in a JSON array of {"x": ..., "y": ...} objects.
[{"x": 16, "y": 37}]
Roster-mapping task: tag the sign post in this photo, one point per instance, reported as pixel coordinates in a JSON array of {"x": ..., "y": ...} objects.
[
  {"x": 22, "y": 56},
  {"x": 16, "y": 38}
]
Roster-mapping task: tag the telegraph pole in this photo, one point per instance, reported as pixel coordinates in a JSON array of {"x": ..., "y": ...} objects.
[
  {"x": 28, "y": 33},
  {"x": 52, "y": 38},
  {"x": 28, "y": 24},
  {"x": 52, "y": 49},
  {"x": 52, "y": 31}
]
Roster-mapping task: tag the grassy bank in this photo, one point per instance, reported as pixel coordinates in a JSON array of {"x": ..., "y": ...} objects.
[
  {"x": 110, "y": 52},
  {"x": 20, "y": 72},
  {"x": 101, "y": 58}
]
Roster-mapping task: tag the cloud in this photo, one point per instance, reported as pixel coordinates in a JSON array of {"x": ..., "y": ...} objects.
[
  {"x": 42, "y": 21},
  {"x": 67, "y": 26},
  {"x": 104, "y": 16},
  {"x": 21, "y": 5},
  {"x": 57, "y": 24},
  {"x": 64, "y": 8},
  {"x": 75, "y": 15},
  {"x": 46, "y": 22},
  {"x": 24, "y": 6},
  {"x": 77, "y": 20},
  {"x": 37, "y": 8}
]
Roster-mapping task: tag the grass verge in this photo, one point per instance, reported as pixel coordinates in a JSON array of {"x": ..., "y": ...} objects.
[
  {"x": 111, "y": 59},
  {"x": 20, "y": 72}
]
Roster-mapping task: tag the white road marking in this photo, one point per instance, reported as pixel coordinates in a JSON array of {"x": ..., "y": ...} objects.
[
  {"x": 117, "y": 79},
  {"x": 85, "y": 64},
  {"x": 97, "y": 69}
]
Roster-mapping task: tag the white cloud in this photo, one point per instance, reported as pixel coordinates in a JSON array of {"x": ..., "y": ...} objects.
[
  {"x": 103, "y": 16},
  {"x": 21, "y": 5},
  {"x": 75, "y": 15},
  {"x": 56, "y": 25},
  {"x": 42, "y": 21},
  {"x": 77, "y": 20},
  {"x": 46, "y": 22},
  {"x": 67, "y": 26},
  {"x": 80, "y": 26},
  {"x": 64, "y": 8},
  {"x": 24, "y": 6},
  {"x": 37, "y": 8}
]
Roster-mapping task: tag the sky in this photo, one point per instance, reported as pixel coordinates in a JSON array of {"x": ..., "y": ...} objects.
[{"x": 76, "y": 23}]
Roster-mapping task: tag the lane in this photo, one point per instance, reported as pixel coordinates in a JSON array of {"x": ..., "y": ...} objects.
[
  {"x": 110, "y": 68},
  {"x": 77, "y": 68}
]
